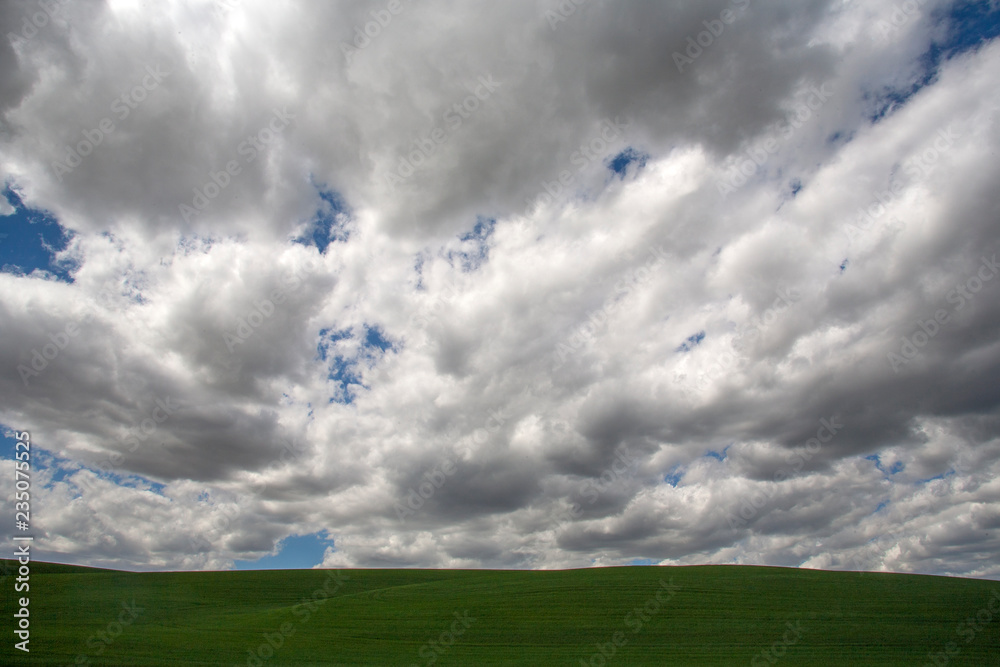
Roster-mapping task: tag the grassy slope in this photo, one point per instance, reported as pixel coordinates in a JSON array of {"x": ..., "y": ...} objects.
[{"x": 720, "y": 615}]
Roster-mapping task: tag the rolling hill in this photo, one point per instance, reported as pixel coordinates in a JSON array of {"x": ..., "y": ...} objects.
[{"x": 703, "y": 615}]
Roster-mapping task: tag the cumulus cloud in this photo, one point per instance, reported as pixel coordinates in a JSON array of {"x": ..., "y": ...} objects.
[{"x": 522, "y": 284}]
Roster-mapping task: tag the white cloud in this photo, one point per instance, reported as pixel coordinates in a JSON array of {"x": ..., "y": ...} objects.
[{"x": 253, "y": 334}]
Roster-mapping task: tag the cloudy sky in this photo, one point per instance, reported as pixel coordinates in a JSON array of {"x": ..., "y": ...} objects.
[{"x": 528, "y": 284}]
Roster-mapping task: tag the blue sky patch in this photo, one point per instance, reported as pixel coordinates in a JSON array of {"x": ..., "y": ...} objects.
[
  {"x": 966, "y": 26},
  {"x": 895, "y": 468},
  {"x": 298, "y": 552},
  {"x": 418, "y": 266},
  {"x": 56, "y": 469},
  {"x": 345, "y": 361},
  {"x": 692, "y": 342},
  {"x": 7, "y": 442},
  {"x": 840, "y": 138},
  {"x": 619, "y": 164},
  {"x": 329, "y": 224},
  {"x": 935, "y": 477},
  {"x": 327, "y": 337},
  {"x": 30, "y": 239},
  {"x": 374, "y": 338},
  {"x": 476, "y": 244},
  {"x": 42, "y": 463},
  {"x": 129, "y": 481},
  {"x": 341, "y": 368},
  {"x": 720, "y": 456},
  {"x": 972, "y": 23}
]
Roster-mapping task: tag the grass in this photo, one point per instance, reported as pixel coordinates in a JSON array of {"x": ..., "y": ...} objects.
[{"x": 717, "y": 615}]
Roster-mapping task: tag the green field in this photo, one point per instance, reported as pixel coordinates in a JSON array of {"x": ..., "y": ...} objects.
[{"x": 706, "y": 615}]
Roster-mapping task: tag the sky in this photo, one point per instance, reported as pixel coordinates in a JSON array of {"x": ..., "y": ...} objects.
[{"x": 521, "y": 285}]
